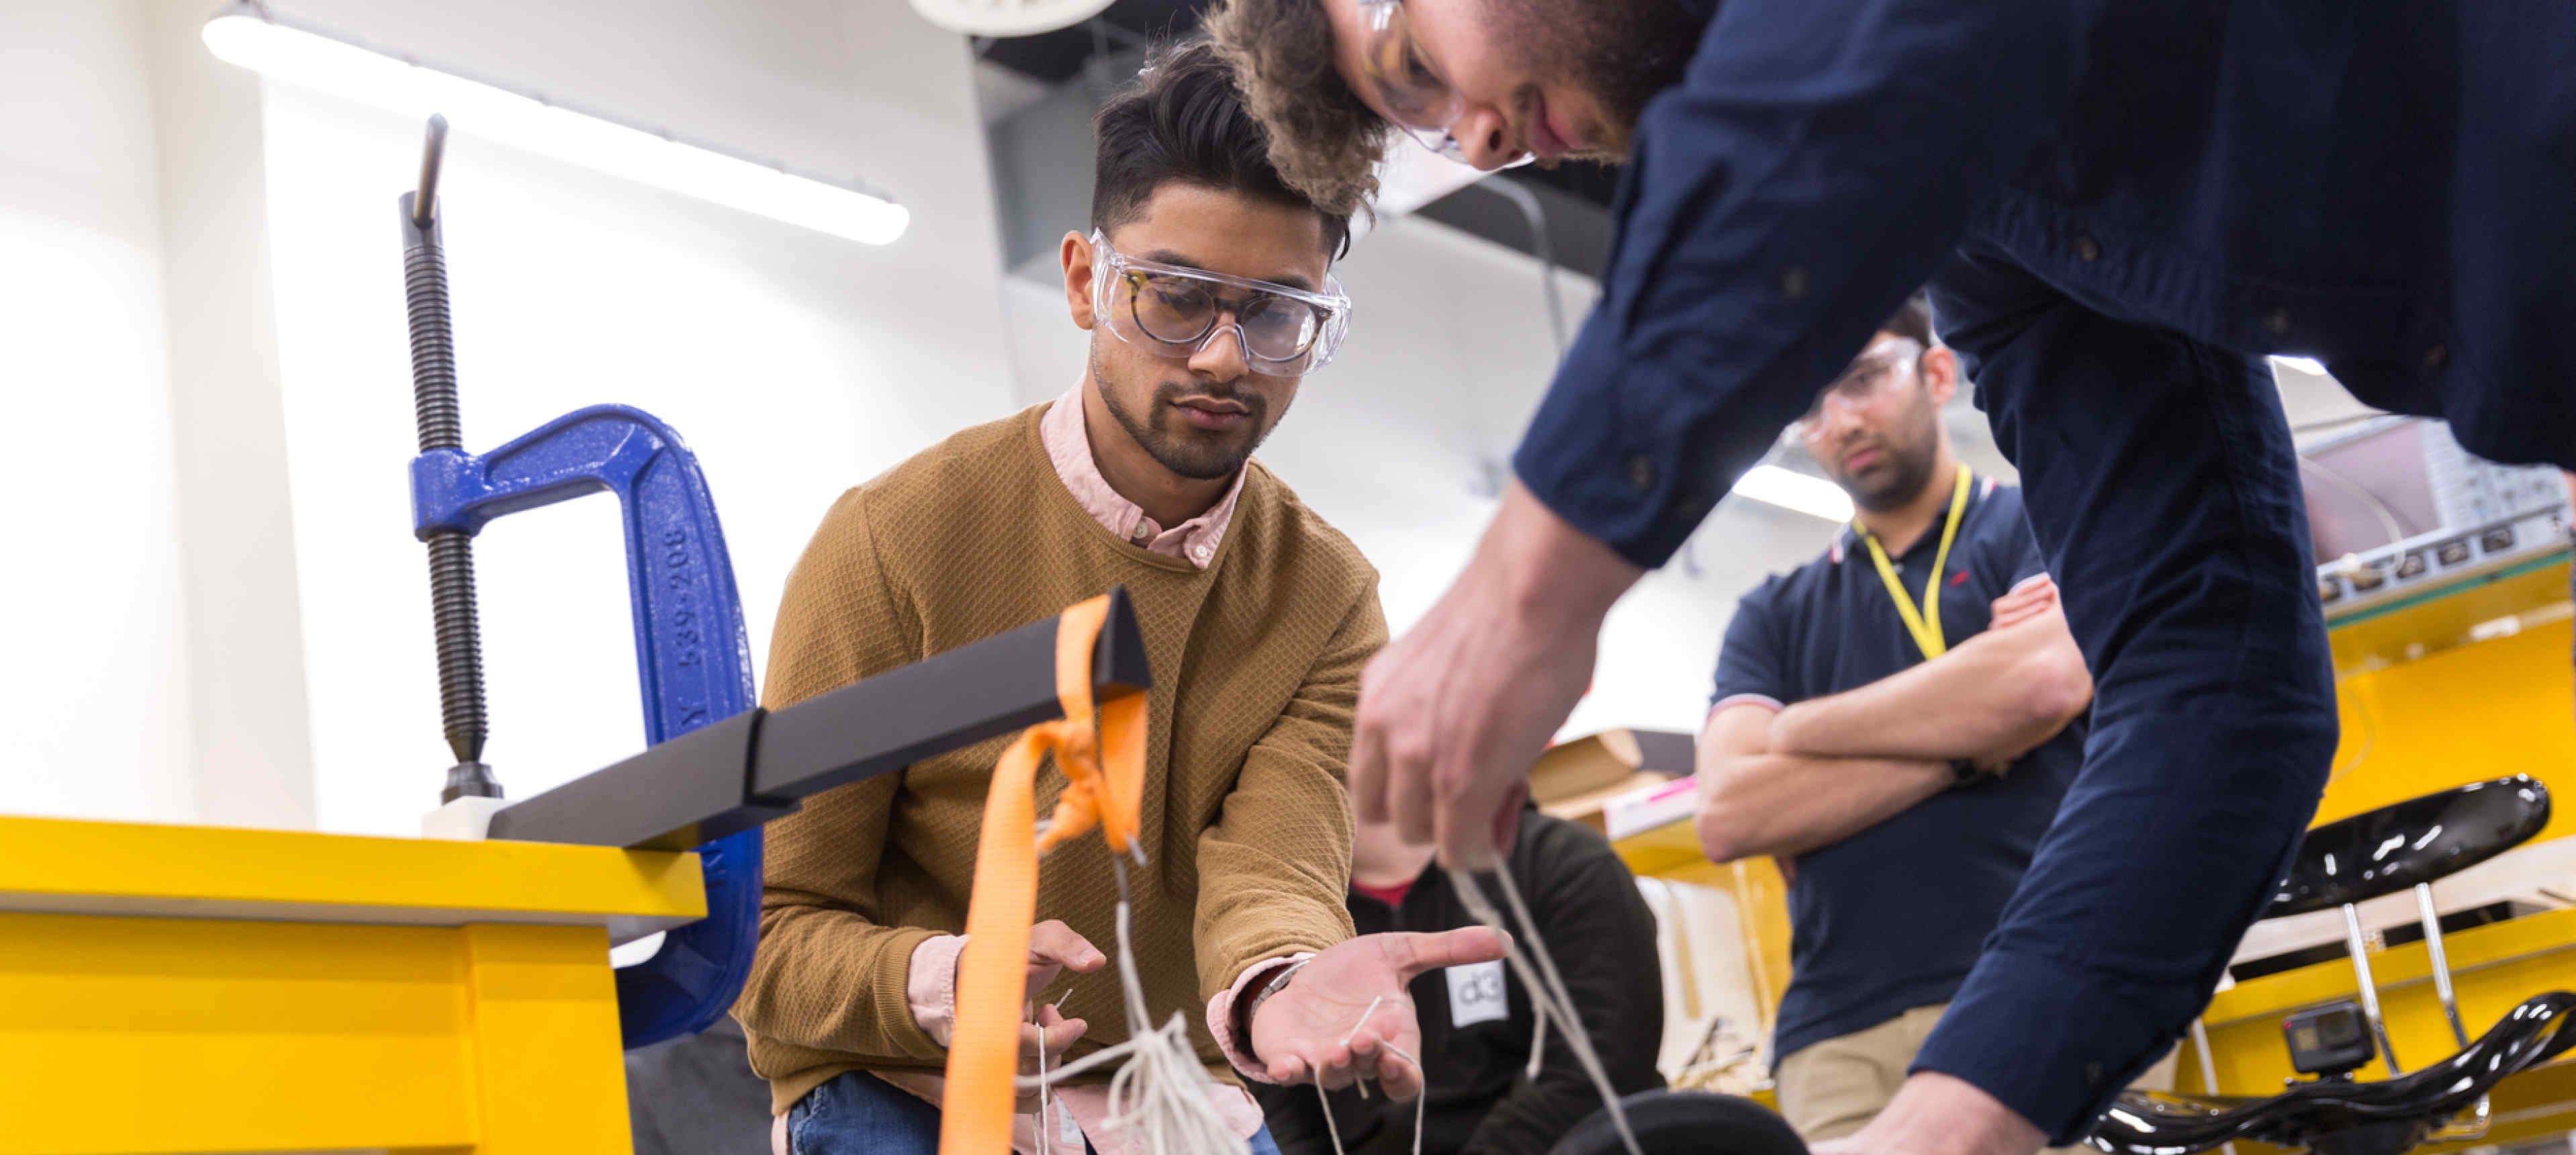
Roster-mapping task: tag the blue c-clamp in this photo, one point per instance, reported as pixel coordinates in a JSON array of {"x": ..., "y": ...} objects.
[{"x": 693, "y": 658}]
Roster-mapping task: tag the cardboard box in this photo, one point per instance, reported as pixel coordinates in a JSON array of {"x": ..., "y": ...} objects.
[{"x": 1577, "y": 780}]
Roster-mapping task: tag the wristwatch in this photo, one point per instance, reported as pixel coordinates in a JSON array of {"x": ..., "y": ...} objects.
[{"x": 1252, "y": 1006}]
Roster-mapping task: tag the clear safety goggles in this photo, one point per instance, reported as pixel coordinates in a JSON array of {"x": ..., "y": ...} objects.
[
  {"x": 1284, "y": 331},
  {"x": 1417, "y": 99},
  {"x": 1871, "y": 376}
]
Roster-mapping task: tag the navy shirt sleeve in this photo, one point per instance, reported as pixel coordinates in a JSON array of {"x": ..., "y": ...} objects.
[
  {"x": 1810, "y": 171},
  {"x": 2026, "y": 560},
  {"x": 2012, "y": 552},
  {"x": 1754, "y": 661}
]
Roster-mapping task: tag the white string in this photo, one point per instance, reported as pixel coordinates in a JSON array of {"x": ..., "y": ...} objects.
[
  {"x": 1160, "y": 1093},
  {"x": 1043, "y": 1148},
  {"x": 1538, "y": 1048},
  {"x": 1550, "y": 999},
  {"x": 1046, "y": 1136},
  {"x": 1419, "y": 1101}
]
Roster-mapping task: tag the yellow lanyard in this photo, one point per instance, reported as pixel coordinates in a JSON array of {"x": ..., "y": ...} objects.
[{"x": 1926, "y": 625}]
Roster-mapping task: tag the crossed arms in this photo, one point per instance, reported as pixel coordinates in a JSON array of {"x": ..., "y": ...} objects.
[{"x": 1784, "y": 782}]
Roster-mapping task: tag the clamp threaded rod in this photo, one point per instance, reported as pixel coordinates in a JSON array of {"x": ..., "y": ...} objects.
[{"x": 451, "y": 552}]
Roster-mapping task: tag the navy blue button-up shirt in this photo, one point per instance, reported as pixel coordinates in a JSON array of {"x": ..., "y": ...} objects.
[{"x": 2386, "y": 187}]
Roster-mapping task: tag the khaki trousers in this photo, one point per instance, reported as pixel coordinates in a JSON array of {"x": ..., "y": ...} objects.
[{"x": 1833, "y": 1088}]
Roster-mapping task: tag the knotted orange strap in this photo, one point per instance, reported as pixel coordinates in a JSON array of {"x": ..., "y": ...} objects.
[{"x": 992, "y": 976}]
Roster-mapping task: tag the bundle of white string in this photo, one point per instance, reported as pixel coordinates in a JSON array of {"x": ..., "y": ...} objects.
[{"x": 1160, "y": 1093}]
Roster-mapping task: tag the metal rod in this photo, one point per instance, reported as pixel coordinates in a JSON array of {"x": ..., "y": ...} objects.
[
  {"x": 2369, "y": 989},
  {"x": 1527, "y": 202},
  {"x": 424, "y": 208},
  {"x": 2441, "y": 960},
  {"x": 434, "y": 410},
  {"x": 2208, "y": 1069}
]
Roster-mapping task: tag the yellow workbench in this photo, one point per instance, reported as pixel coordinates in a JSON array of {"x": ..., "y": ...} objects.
[{"x": 189, "y": 989}]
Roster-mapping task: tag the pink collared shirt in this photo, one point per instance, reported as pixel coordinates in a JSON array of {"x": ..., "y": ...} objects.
[
  {"x": 931, "y": 987},
  {"x": 1068, "y": 444}
]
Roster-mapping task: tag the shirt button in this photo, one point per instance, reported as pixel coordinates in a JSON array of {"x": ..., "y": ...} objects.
[
  {"x": 2277, "y": 322},
  {"x": 1793, "y": 283},
  {"x": 1201, "y": 553},
  {"x": 1641, "y": 472},
  {"x": 2087, "y": 249},
  {"x": 2437, "y": 357}
]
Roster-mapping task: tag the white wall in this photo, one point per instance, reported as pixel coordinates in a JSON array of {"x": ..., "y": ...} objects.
[
  {"x": 796, "y": 364},
  {"x": 95, "y": 684},
  {"x": 252, "y": 725}
]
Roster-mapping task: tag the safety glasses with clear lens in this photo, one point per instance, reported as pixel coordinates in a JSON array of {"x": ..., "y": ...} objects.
[
  {"x": 1872, "y": 375},
  {"x": 1284, "y": 331},
  {"x": 1417, "y": 99}
]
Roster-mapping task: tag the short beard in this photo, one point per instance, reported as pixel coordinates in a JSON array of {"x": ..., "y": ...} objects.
[
  {"x": 1911, "y": 473},
  {"x": 1191, "y": 457},
  {"x": 1622, "y": 52}
]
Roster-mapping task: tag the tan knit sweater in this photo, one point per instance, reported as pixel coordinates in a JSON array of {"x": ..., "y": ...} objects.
[{"x": 1256, "y": 666}]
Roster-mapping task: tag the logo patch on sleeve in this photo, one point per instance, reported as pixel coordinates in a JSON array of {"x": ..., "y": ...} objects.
[{"x": 1476, "y": 994}]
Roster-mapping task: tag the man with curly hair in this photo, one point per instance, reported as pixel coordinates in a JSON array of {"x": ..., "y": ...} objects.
[{"x": 2120, "y": 208}]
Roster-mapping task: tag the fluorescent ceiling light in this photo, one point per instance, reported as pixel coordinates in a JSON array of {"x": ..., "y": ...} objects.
[
  {"x": 1790, "y": 489},
  {"x": 2302, "y": 364},
  {"x": 247, "y": 36}
]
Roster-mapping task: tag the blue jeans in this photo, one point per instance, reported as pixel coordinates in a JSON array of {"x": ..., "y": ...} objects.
[{"x": 859, "y": 1114}]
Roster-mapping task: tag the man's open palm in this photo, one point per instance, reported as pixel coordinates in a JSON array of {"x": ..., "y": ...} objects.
[{"x": 1311, "y": 1030}]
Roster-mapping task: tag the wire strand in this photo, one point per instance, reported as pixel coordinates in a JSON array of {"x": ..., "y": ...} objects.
[
  {"x": 1546, "y": 988},
  {"x": 1419, "y": 1101}
]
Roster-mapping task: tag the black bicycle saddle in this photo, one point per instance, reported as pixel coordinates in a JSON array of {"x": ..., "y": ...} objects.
[
  {"x": 2396, "y": 846},
  {"x": 1685, "y": 1123},
  {"x": 2340, "y": 1117}
]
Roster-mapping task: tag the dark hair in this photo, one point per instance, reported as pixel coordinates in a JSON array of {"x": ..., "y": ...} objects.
[
  {"x": 1913, "y": 319},
  {"x": 1184, "y": 120}
]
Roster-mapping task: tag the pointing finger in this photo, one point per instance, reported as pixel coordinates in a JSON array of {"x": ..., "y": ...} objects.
[{"x": 1416, "y": 953}]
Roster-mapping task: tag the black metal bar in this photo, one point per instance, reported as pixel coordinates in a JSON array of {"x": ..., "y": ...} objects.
[
  {"x": 451, "y": 552},
  {"x": 959, "y": 698},
  {"x": 678, "y": 795},
  {"x": 754, "y": 767}
]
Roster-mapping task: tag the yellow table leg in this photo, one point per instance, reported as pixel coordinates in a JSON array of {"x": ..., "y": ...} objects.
[
  {"x": 550, "y": 1071},
  {"x": 168, "y": 1035}
]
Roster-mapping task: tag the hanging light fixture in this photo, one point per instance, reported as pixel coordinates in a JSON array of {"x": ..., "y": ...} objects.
[
  {"x": 247, "y": 35},
  {"x": 1790, "y": 489},
  {"x": 1007, "y": 17}
]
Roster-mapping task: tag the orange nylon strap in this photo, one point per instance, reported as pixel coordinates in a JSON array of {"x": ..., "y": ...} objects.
[{"x": 992, "y": 975}]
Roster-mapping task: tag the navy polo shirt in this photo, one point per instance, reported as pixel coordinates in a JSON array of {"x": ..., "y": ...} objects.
[{"x": 1892, "y": 918}]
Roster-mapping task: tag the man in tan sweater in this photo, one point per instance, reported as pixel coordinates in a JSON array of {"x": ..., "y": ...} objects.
[{"x": 1206, "y": 291}]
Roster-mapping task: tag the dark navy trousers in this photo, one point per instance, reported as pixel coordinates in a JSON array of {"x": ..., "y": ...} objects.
[{"x": 2160, "y": 482}]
